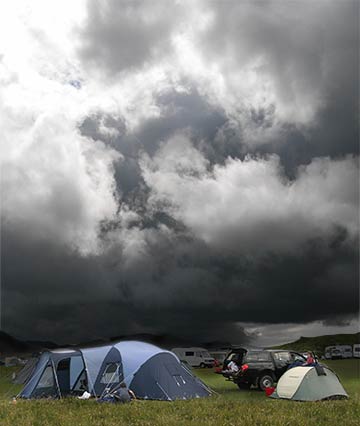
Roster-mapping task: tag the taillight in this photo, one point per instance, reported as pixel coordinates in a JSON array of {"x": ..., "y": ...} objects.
[{"x": 244, "y": 367}]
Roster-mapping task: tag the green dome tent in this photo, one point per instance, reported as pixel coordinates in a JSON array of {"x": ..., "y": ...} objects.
[{"x": 309, "y": 384}]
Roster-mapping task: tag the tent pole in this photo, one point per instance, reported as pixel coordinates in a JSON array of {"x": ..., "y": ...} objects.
[{"x": 56, "y": 379}]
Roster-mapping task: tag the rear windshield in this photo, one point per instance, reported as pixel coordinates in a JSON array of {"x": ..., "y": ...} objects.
[
  {"x": 257, "y": 356},
  {"x": 236, "y": 357}
]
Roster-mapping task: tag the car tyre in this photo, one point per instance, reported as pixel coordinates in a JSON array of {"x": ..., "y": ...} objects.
[
  {"x": 265, "y": 381},
  {"x": 202, "y": 365}
]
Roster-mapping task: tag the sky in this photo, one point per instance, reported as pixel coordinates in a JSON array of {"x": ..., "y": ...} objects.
[{"x": 178, "y": 167}]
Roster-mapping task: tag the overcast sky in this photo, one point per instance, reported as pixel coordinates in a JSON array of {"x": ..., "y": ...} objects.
[{"x": 179, "y": 167}]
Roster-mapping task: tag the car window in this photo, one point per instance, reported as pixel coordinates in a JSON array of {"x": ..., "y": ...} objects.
[
  {"x": 282, "y": 356},
  {"x": 297, "y": 357},
  {"x": 234, "y": 357},
  {"x": 257, "y": 356},
  {"x": 189, "y": 353}
]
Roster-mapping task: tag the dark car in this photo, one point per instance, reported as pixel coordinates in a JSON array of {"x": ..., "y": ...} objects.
[{"x": 259, "y": 368}]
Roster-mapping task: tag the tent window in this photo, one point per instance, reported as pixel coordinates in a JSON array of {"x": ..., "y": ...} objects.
[
  {"x": 47, "y": 378},
  {"x": 111, "y": 373}
]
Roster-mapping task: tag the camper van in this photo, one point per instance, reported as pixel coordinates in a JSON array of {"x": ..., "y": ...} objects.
[
  {"x": 356, "y": 350},
  {"x": 195, "y": 357}
]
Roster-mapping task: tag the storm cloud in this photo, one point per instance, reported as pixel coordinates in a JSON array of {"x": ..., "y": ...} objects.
[{"x": 179, "y": 169}]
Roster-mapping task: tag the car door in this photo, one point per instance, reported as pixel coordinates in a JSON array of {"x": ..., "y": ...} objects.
[{"x": 282, "y": 360}]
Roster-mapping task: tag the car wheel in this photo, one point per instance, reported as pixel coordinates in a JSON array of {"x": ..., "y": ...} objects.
[
  {"x": 266, "y": 381},
  {"x": 202, "y": 365}
]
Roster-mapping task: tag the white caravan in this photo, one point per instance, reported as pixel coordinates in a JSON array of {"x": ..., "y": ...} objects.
[
  {"x": 346, "y": 351},
  {"x": 328, "y": 351},
  {"x": 195, "y": 357},
  {"x": 338, "y": 352},
  {"x": 356, "y": 350}
]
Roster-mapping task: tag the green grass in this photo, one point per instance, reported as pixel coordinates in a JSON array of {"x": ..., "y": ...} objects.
[{"x": 229, "y": 407}]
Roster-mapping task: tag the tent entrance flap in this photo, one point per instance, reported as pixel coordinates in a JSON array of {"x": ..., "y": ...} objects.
[{"x": 68, "y": 371}]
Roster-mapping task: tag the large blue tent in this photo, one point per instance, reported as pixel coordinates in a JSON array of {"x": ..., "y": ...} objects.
[{"x": 149, "y": 371}]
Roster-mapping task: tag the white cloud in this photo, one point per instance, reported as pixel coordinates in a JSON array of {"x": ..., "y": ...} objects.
[
  {"x": 58, "y": 184},
  {"x": 55, "y": 183},
  {"x": 43, "y": 154},
  {"x": 249, "y": 206}
]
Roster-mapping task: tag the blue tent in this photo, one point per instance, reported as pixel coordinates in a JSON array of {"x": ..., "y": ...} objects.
[{"x": 149, "y": 371}]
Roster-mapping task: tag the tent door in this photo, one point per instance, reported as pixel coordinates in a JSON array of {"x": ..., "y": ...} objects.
[{"x": 63, "y": 376}]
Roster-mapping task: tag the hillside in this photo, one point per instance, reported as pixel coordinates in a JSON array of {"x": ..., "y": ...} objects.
[
  {"x": 10, "y": 345},
  {"x": 318, "y": 344}
]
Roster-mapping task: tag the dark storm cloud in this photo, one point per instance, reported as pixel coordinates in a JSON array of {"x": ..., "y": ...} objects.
[
  {"x": 181, "y": 220},
  {"x": 169, "y": 290}
]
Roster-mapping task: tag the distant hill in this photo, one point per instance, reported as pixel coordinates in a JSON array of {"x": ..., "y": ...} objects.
[
  {"x": 11, "y": 346},
  {"x": 318, "y": 344}
]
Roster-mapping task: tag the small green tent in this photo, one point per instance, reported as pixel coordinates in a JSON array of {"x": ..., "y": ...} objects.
[{"x": 309, "y": 384}]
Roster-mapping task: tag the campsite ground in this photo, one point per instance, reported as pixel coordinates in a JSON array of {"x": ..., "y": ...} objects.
[{"x": 229, "y": 407}]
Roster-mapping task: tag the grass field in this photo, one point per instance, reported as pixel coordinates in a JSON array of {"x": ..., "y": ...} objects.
[{"x": 229, "y": 407}]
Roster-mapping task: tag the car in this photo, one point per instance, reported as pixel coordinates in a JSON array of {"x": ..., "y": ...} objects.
[{"x": 261, "y": 368}]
